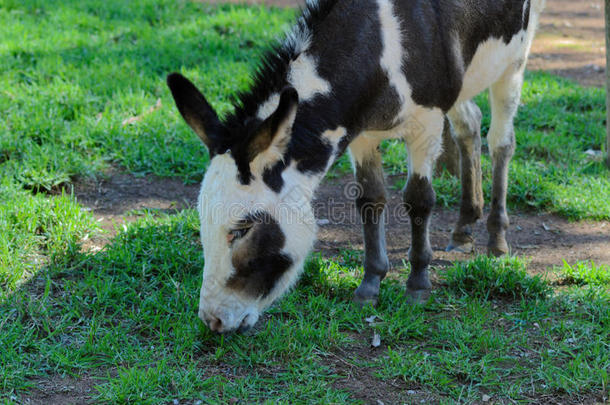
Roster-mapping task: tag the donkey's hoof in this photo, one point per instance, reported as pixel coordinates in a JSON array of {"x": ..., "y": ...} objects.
[
  {"x": 368, "y": 291},
  {"x": 418, "y": 297},
  {"x": 454, "y": 246},
  {"x": 498, "y": 249},
  {"x": 363, "y": 301}
]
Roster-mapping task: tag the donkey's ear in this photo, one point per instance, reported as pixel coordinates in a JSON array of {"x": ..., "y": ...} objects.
[
  {"x": 195, "y": 110},
  {"x": 270, "y": 140}
]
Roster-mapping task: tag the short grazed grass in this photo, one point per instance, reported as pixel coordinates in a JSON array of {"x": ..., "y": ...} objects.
[
  {"x": 127, "y": 315},
  {"x": 72, "y": 72}
]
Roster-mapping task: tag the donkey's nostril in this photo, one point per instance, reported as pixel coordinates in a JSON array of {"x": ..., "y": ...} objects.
[{"x": 215, "y": 324}]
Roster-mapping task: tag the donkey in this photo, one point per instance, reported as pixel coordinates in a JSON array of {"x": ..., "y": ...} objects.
[{"x": 347, "y": 76}]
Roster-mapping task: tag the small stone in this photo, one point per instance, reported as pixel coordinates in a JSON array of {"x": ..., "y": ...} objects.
[
  {"x": 376, "y": 342},
  {"x": 379, "y": 402},
  {"x": 486, "y": 398},
  {"x": 323, "y": 221},
  {"x": 175, "y": 402},
  {"x": 370, "y": 319},
  {"x": 410, "y": 392}
]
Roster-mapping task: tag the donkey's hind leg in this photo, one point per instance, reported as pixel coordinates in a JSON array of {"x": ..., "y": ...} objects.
[
  {"x": 504, "y": 96},
  {"x": 466, "y": 121},
  {"x": 371, "y": 201}
]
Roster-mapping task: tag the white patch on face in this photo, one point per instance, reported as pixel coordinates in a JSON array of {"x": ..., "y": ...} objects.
[
  {"x": 303, "y": 76},
  {"x": 393, "y": 53},
  {"x": 297, "y": 221},
  {"x": 223, "y": 201}
]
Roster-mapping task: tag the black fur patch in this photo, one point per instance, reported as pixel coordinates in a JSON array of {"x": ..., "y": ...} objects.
[{"x": 257, "y": 258}]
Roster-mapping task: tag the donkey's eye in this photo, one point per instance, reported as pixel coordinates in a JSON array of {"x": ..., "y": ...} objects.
[{"x": 236, "y": 234}]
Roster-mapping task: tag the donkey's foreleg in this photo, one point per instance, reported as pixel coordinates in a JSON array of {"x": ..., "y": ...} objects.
[
  {"x": 424, "y": 147},
  {"x": 370, "y": 201},
  {"x": 504, "y": 97},
  {"x": 466, "y": 121}
]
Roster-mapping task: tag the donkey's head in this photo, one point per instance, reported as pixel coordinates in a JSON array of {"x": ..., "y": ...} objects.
[{"x": 255, "y": 238}]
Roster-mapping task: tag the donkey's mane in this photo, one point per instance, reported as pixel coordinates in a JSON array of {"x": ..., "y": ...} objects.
[{"x": 270, "y": 75}]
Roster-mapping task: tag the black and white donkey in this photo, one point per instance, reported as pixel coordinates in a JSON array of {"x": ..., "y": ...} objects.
[{"x": 349, "y": 75}]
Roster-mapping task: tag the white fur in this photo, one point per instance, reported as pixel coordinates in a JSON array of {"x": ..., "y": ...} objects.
[
  {"x": 425, "y": 146},
  {"x": 268, "y": 107},
  {"x": 501, "y": 66},
  {"x": 303, "y": 76},
  {"x": 223, "y": 201},
  {"x": 361, "y": 148},
  {"x": 393, "y": 54},
  {"x": 492, "y": 58}
]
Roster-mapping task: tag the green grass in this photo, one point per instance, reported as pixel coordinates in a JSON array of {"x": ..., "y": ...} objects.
[
  {"x": 35, "y": 229},
  {"x": 583, "y": 273},
  {"x": 487, "y": 278},
  {"x": 127, "y": 315},
  {"x": 71, "y": 72}
]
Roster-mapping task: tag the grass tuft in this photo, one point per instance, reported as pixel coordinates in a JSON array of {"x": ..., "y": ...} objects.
[
  {"x": 586, "y": 273},
  {"x": 489, "y": 278}
]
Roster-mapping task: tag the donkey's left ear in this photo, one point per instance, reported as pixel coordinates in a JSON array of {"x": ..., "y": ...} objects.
[{"x": 271, "y": 139}]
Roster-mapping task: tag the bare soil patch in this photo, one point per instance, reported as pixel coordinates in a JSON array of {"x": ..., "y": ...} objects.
[
  {"x": 58, "y": 390},
  {"x": 570, "y": 40},
  {"x": 114, "y": 199}
]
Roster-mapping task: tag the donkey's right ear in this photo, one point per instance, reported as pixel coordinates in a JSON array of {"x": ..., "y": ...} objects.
[{"x": 195, "y": 110}]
